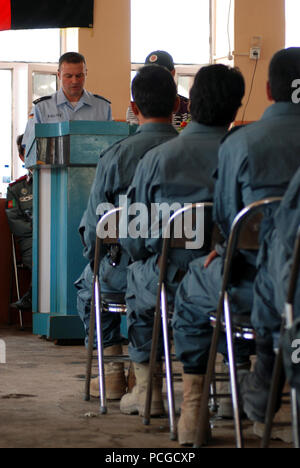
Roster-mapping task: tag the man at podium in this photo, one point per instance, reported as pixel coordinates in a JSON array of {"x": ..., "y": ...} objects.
[{"x": 72, "y": 101}]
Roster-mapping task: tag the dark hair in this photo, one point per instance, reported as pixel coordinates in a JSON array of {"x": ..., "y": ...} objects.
[
  {"x": 216, "y": 95},
  {"x": 71, "y": 57},
  {"x": 284, "y": 68},
  {"x": 154, "y": 91},
  {"x": 21, "y": 148}
]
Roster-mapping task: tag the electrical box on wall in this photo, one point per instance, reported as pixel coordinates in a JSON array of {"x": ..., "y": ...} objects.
[
  {"x": 255, "y": 53},
  {"x": 255, "y": 48}
]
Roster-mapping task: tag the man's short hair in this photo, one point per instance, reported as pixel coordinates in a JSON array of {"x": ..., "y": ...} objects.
[
  {"x": 284, "y": 68},
  {"x": 216, "y": 95},
  {"x": 71, "y": 57},
  {"x": 154, "y": 91},
  {"x": 21, "y": 148}
]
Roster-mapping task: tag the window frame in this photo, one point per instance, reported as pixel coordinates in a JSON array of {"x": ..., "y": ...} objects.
[
  {"x": 191, "y": 70},
  {"x": 21, "y": 75}
]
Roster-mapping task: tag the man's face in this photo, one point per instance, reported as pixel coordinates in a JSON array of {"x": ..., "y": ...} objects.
[{"x": 72, "y": 77}]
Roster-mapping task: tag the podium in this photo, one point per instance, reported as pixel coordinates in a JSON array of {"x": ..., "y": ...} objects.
[{"x": 63, "y": 158}]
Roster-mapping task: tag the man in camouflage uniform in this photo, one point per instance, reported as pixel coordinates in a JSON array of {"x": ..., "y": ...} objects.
[{"x": 19, "y": 215}]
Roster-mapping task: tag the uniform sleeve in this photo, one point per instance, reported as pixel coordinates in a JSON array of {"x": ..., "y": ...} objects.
[
  {"x": 34, "y": 117},
  {"x": 18, "y": 224},
  {"x": 287, "y": 218},
  {"x": 231, "y": 184},
  {"x": 100, "y": 200},
  {"x": 109, "y": 117}
]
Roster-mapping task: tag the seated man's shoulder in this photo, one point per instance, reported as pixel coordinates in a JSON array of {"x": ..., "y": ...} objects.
[
  {"x": 236, "y": 131},
  {"x": 18, "y": 181}
]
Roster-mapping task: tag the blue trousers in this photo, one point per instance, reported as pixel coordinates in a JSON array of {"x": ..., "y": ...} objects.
[
  {"x": 112, "y": 280},
  {"x": 197, "y": 297},
  {"x": 142, "y": 283}
]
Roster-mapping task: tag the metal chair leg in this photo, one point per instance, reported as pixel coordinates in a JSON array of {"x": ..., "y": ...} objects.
[
  {"x": 233, "y": 374},
  {"x": 200, "y": 436},
  {"x": 90, "y": 350},
  {"x": 273, "y": 397},
  {"x": 103, "y": 404},
  {"x": 168, "y": 365},
  {"x": 213, "y": 400},
  {"x": 295, "y": 418},
  {"x": 153, "y": 359}
]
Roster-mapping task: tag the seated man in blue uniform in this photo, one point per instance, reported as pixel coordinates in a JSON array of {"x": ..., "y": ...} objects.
[
  {"x": 271, "y": 287},
  {"x": 164, "y": 59},
  {"x": 255, "y": 161},
  {"x": 177, "y": 172},
  {"x": 155, "y": 98},
  {"x": 72, "y": 101},
  {"x": 19, "y": 216}
]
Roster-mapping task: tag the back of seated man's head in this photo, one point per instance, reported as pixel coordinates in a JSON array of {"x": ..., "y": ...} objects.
[
  {"x": 216, "y": 95},
  {"x": 284, "y": 68},
  {"x": 154, "y": 91}
]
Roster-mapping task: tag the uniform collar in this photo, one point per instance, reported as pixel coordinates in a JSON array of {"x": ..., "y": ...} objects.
[
  {"x": 195, "y": 127},
  {"x": 62, "y": 99},
  {"x": 281, "y": 108},
  {"x": 156, "y": 127}
]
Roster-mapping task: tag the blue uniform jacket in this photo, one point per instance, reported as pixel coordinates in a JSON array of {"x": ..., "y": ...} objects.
[
  {"x": 57, "y": 108},
  {"x": 180, "y": 171},
  {"x": 257, "y": 161}
]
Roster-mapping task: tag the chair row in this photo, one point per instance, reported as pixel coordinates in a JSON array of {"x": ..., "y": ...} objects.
[{"x": 244, "y": 234}]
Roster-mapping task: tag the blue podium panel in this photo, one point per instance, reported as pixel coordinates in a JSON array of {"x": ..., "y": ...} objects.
[{"x": 63, "y": 157}]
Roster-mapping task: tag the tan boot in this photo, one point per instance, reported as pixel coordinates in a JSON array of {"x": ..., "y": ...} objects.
[
  {"x": 190, "y": 408},
  {"x": 131, "y": 380},
  {"x": 115, "y": 382},
  {"x": 134, "y": 402}
]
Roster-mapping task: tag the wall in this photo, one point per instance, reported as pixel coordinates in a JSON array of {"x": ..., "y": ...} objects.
[
  {"x": 107, "y": 51},
  {"x": 257, "y": 18}
]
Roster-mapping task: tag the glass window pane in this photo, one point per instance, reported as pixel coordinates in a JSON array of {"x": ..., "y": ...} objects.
[
  {"x": 184, "y": 85},
  {"x": 181, "y": 28},
  {"x": 43, "y": 84},
  {"x": 6, "y": 129},
  {"x": 224, "y": 27},
  {"x": 32, "y": 45},
  {"x": 292, "y": 13}
]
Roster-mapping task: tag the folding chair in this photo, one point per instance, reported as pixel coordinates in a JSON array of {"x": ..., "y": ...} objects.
[
  {"x": 112, "y": 302},
  {"x": 287, "y": 322},
  {"x": 17, "y": 265},
  {"x": 244, "y": 235},
  {"x": 161, "y": 319}
]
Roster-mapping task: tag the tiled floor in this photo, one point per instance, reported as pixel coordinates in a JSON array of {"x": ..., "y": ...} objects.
[{"x": 41, "y": 404}]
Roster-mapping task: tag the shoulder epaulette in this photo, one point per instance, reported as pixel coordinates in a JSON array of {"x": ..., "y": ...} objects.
[
  {"x": 44, "y": 98},
  {"x": 103, "y": 98},
  {"x": 234, "y": 129},
  {"x": 18, "y": 180}
]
